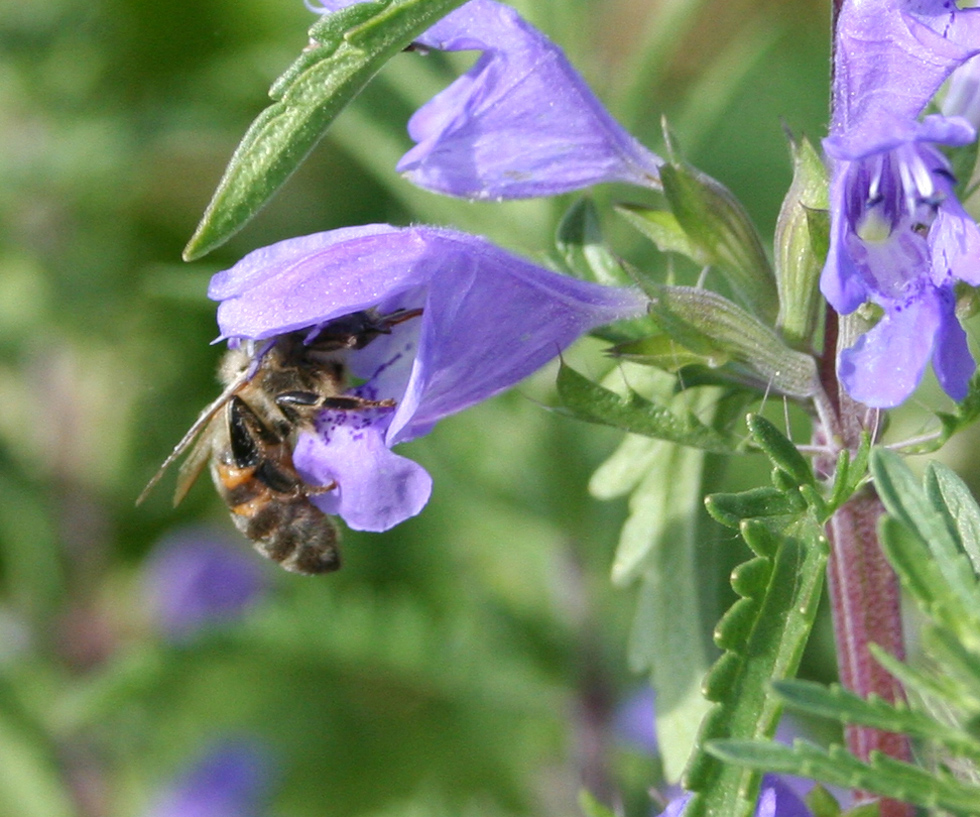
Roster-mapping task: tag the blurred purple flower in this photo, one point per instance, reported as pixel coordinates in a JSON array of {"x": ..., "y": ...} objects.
[
  {"x": 196, "y": 578},
  {"x": 776, "y": 799},
  {"x": 520, "y": 123},
  {"x": 899, "y": 237},
  {"x": 488, "y": 320},
  {"x": 963, "y": 93},
  {"x": 231, "y": 780},
  {"x": 634, "y": 721}
]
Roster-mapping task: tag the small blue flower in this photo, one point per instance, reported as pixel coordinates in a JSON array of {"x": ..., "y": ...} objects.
[
  {"x": 196, "y": 579},
  {"x": 520, "y": 123},
  {"x": 899, "y": 237},
  {"x": 231, "y": 780},
  {"x": 488, "y": 319}
]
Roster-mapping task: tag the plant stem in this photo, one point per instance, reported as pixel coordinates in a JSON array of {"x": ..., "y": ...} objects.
[{"x": 864, "y": 590}]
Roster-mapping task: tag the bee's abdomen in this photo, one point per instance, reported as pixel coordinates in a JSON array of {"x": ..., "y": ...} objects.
[{"x": 296, "y": 534}]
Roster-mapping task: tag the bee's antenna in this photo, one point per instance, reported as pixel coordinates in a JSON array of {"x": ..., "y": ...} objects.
[{"x": 193, "y": 431}]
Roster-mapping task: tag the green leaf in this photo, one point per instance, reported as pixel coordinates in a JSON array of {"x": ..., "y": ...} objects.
[
  {"x": 850, "y": 473},
  {"x": 715, "y": 222},
  {"x": 579, "y": 241},
  {"x": 346, "y": 50},
  {"x": 665, "y": 353},
  {"x": 662, "y": 547},
  {"x": 660, "y": 544},
  {"x": 950, "y": 494},
  {"x": 844, "y": 706},
  {"x": 768, "y": 632},
  {"x": 592, "y": 807},
  {"x": 663, "y": 229},
  {"x": 730, "y": 509},
  {"x": 593, "y": 403},
  {"x": 31, "y": 782},
  {"x": 704, "y": 321},
  {"x": 966, "y": 414},
  {"x": 928, "y": 560},
  {"x": 780, "y": 450},
  {"x": 883, "y": 775},
  {"x": 822, "y": 803}
]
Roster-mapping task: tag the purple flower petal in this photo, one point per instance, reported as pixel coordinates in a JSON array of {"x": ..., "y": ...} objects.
[
  {"x": 776, "y": 799},
  {"x": 891, "y": 57},
  {"x": 635, "y": 721},
  {"x": 952, "y": 361},
  {"x": 377, "y": 489},
  {"x": 231, "y": 780},
  {"x": 883, "y": 368},
  {"x": 520, "y": 123},
  {"x": 488, "y": 320},
  {"x": 196, "y": 578}
]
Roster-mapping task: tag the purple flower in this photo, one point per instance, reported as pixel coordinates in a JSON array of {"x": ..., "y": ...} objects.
[
  {"x": 776, "y": 799},
  {"x": 196, "y": 578},
  {"x": 488, "y": 320},
  {"x": 231, "y": 780},
  {"x": 899, "y": 237},
  {"x": 635, "y": 721},
  {"x": 520, "y": 123}
]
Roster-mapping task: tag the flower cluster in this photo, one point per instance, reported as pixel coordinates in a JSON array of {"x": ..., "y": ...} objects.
[
  {"x": 899, "y": 236},
  {"x": 520, "y": 123}
]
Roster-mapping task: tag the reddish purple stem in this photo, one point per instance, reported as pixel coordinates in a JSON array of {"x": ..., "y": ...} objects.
[{"x": 864, "y": 590}]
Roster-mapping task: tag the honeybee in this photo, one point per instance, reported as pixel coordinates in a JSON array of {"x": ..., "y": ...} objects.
[{"x": 272, "y": 391}]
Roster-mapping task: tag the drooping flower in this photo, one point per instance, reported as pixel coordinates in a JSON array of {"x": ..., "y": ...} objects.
[
  {"x": 488, "y": 320},
  {"x": 231, "y": 780},
  {"x": 196, "y": 579},
  {"x": 776, "y": 799},
  {"x": 899, "y": 236},
  {"x": 520, "y": 123}
]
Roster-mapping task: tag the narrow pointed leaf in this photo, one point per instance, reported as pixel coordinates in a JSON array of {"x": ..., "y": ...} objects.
[
  {"x": 929, "y": 561},
  {"x": 950, "y": 494},
  {"x": 346, "y": 50},
  {"x": 842, "y": 705},
  {"x": 780, "y": 450},
  {"x": 593, "y": 403},
  {"x": 883, "y": 775}
]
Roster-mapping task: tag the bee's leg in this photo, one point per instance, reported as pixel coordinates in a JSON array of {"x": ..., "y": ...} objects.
[
  {"x": 290, "y": 400},
  {"x": 254, "y": 445},
  {"x": 357, "y": 330}
]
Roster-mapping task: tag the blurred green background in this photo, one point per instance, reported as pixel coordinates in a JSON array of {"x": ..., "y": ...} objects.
[{"x": 470, "y": 661}]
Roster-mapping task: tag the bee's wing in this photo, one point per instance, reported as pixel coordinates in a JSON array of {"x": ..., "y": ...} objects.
[
  {"x": 190, "y": 469},
  {"x": 206, "y": 417}
]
